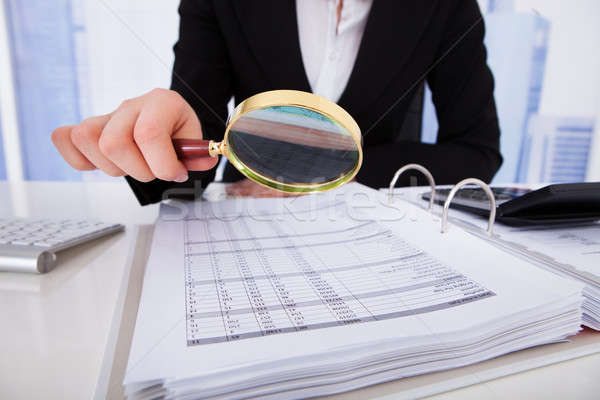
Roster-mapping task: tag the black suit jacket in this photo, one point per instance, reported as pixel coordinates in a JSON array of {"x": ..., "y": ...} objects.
[{"x": 240, "y": 47}]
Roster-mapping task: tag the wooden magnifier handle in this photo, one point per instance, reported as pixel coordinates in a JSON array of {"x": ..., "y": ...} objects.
[{"x": 191, "y": 148}]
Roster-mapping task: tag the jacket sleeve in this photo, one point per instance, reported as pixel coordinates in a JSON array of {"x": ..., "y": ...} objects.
[
  {"x": 202, "y": 75},
  {"x": 463, "y": 94}
]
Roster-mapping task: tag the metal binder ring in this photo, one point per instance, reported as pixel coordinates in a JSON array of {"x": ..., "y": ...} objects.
[
  {"x": 487, "y": 191},
  {"x": 418, "y": 167}
]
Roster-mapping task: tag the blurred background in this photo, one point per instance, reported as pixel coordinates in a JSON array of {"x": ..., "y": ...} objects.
[{"x": 64, "y": 60}]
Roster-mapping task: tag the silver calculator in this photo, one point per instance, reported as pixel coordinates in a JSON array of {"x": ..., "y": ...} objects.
[{"x": 30, "y": 245}]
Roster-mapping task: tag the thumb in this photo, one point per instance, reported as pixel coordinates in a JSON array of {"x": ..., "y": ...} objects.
[{"x": 188, "y": 127}]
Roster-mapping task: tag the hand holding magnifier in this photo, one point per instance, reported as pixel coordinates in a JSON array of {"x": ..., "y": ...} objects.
[{"x": 287, "y": 140}]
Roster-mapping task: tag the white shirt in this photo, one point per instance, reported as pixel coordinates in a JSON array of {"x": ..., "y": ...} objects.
[{"x": 329, "y": 50}]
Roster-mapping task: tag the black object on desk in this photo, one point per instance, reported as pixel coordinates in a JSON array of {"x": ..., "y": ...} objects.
[{"x": 552, "y": 204}]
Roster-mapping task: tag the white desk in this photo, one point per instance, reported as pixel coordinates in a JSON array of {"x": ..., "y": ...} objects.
[{"x": 55, "y": 328}]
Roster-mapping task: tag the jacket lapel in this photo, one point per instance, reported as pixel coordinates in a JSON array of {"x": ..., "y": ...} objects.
[
  {"x": 392, "y": 32},
  {"x": 271, "y": 29}
]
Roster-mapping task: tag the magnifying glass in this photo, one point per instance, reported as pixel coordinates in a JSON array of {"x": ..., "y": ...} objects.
[{"x": 287, "y": 140}]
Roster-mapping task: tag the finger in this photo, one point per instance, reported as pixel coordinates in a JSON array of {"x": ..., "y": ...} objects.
[
  {"x": 235, "y": 189},
  {"x": 249, "y": 188},
  {"x": 61, "y": 137},
  {"x": 117, "y": 145},
  {"x": 85, "y": 137},
  {"x": 274, "y": 193},
  {"x": 242, "y": 188},
  {"x": 262, "y": 191},
  {"x": 258, "y": 190},
  {"x": 158, "y": 119},
  {"x": 190, "y": 128}
]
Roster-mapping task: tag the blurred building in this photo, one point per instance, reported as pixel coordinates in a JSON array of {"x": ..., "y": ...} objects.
[
  {"x": 517, "y": 57},
  {"x": 558, "y": 149},
  {"x": 517, "y": 46},
  {"x": 2, "y": 166},
  {"x": 43, "y": 37},
  {"x": 593, "y": 168},
  {"x": 66, "y": 66},
  {"x": 71, "y": 59},
  {"x": 500, "y": 6}
]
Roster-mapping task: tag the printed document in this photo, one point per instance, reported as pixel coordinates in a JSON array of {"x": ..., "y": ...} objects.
[{"x": 299, "y": 297}]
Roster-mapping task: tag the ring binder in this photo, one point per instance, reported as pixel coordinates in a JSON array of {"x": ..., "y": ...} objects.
[
  {"x": 417, "y": 167},
  {"x": 456, "y": 188}
]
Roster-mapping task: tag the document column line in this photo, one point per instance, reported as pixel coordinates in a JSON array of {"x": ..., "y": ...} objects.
[
  {"x": 258, "y": 249},
  {"x": 340, "y": 280},
  {"x": 187, "y": 273},
  {"x": 291, "y": 249},
  {"x": 212, "y": 262},
  {"x": 227, "y": 232}
]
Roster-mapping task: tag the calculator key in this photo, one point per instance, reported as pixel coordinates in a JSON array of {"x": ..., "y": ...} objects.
[
  {"x": 21, "y": 242},
  {"x": 43, "y": 244}
]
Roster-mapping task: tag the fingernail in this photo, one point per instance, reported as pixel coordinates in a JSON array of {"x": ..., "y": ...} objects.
[{"x": 182, "y": 177}]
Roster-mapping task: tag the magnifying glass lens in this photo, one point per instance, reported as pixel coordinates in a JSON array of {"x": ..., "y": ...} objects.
[
  {"x": 287, "y": 140},
  {"x": 292, "y": 145}
]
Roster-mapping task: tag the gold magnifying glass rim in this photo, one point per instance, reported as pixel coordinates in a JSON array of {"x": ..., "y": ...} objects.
[{"x": 293, "y": 98}]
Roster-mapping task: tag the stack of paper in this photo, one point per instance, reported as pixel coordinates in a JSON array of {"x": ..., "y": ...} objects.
[
  {"x": 571, "y": 250},
  {"x": 292, "y": 298}
]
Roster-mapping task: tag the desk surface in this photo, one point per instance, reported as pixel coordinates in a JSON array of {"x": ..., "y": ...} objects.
[{"x": 55, "y": 327}]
